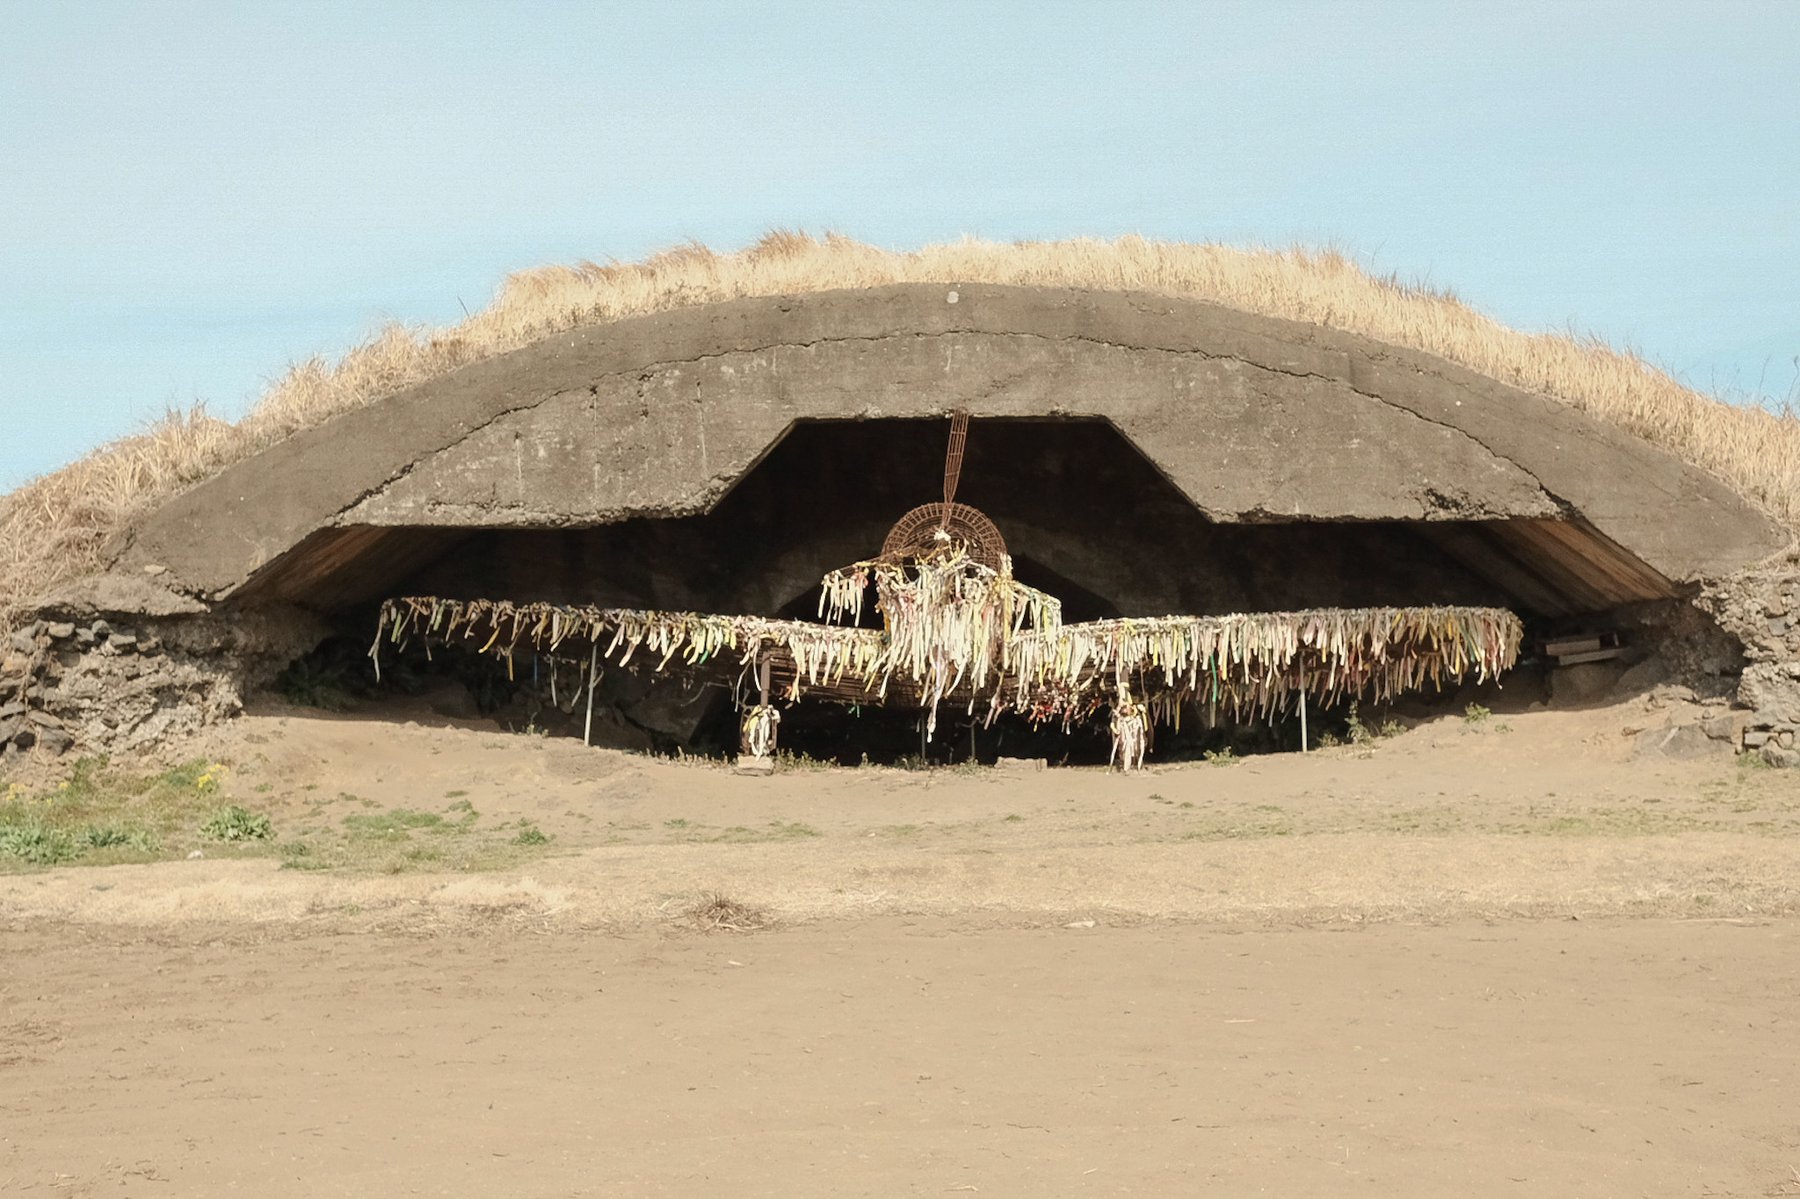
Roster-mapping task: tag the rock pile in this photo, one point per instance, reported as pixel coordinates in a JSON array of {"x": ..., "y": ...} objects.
[
  {"x": 1761, "y": 608},
  {"x": 92, "y": 683}
]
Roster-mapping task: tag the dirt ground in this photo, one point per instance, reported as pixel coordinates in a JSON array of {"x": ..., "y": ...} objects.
[
  {"x": 1511, "y": 956},
  {"x": 900, "y": 1057}
]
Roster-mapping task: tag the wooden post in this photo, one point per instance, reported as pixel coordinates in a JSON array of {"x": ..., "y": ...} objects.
[
  {"x": 587, "y": 732},
  {"x": 1303, "y": 709},
  {"x": 763, "y": 672}
]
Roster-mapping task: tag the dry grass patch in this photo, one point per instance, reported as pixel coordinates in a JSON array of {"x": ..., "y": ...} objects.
[
  {"x": 718, "y": 912},
  {"x": 55, "y": 528}
]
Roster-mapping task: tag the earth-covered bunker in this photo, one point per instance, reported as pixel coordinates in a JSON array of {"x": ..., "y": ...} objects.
[{"x": 1143, "y": 455}]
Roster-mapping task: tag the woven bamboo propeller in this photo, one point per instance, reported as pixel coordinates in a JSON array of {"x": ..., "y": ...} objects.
[{"x": 953, "y": 460}]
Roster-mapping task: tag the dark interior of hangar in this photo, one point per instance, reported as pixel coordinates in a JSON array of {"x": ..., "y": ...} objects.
[
  {"x": 1079, "y": 507},
  {"x": 1085, "y": 516}
]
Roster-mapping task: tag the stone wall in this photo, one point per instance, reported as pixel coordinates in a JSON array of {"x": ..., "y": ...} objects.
[
  {"x": 1761, "y": 608},
  {"x": 96, "y": 683}
]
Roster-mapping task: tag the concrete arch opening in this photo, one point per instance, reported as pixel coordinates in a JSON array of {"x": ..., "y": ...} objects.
[{"x": 1087, "y": 515}]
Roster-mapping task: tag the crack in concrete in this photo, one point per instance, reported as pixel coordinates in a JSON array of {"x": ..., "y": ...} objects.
[
  {"x": 1348, "y": 384},
  {"x": 1566, "y": 508},
  {"x": 337, "y": 518}
]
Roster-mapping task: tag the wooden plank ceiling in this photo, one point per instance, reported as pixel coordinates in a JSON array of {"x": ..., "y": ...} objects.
[{"x": 1550, "y": 568}]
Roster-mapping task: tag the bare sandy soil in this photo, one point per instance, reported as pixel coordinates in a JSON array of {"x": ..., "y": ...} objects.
[
  {"x": 1497, "y": 958},
  {"x": 897, "y": 1057},
  {"x": 1536, "y": 813}
]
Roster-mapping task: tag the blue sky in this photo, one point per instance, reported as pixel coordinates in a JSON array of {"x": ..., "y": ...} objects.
[{"x": 192, "y": 196}]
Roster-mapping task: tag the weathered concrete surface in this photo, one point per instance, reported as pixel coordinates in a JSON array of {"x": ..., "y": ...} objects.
[
  {"x": 1254, "y": 419},
  {"x": 1240, "y": 441}
]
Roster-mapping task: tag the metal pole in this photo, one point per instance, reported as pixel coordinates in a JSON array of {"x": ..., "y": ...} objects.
[{"x": 587, "y": 733}]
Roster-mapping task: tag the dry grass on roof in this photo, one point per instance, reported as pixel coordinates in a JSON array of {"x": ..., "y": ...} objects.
[{"x": 54, "y": 529}]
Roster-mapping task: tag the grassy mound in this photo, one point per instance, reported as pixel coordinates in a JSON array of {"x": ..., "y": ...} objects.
[{"x": 55, "y": 528}]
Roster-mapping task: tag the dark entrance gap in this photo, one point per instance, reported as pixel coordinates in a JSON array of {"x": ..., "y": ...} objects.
[
  {"x": 1085, "y": 515},
  {"x": 1079, "y": 506}
]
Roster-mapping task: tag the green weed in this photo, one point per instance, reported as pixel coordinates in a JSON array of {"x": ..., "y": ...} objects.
[
  {"x": 112, "y": 836},
  {"x": 37, "y": 844},
  {"x": 101, "y": 814},
  {"x": 311, "y": 683},
  {"x": 232, "y": 823},
  {"x": 199, "y": 776},
  {"x": 788, "y": 760},
  {"x": 303, "y": 855},
  {"x": 396, "y": 823},
  {"x": 1363, "y": 733}
]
